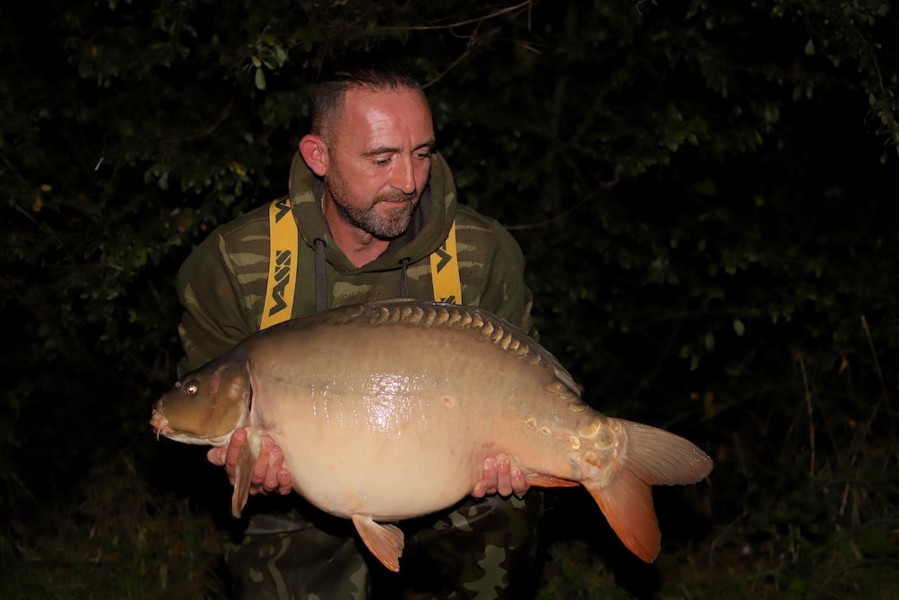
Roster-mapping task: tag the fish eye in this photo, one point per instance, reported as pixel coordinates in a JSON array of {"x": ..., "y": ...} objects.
[{"x": 191, "y": 388}]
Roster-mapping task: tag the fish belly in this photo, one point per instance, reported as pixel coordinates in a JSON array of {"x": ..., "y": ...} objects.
[{"x": 395, "y": 426}]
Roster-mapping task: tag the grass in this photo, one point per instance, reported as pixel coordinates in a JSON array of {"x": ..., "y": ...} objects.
[{"x": 117, "y": 539}]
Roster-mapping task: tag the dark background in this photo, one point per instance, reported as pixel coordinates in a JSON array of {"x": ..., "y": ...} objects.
[{"x": 705, "y": 192}]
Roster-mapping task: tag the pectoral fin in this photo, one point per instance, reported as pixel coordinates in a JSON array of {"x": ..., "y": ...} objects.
[
  {"x": 246, "y": 460},
  {"x": 384, "y": 541}
]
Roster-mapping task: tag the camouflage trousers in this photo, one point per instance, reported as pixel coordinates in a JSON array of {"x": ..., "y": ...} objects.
[{"x": 481, "y": 549}]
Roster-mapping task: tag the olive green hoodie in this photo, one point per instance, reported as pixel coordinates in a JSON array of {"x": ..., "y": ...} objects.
[{"x": 222, "y": 284}]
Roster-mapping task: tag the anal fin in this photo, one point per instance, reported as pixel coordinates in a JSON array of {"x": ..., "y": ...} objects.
[{"x": 384, "y": 541}]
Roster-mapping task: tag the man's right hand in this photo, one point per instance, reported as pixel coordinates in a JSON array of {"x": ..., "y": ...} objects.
[{"x": 269, "y": 473}]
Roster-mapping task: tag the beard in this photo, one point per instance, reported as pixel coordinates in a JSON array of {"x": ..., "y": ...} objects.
[{"x": 386, "y": 216}]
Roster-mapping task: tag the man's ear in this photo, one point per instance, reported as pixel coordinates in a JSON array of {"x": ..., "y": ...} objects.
[{"x": 314, "y": 153}]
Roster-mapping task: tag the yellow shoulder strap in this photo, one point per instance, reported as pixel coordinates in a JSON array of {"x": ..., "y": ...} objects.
[
  {"x": 284, "y": 257},
  {"x": 445, "y": 271},
  {"x": 282, "y": 265}
]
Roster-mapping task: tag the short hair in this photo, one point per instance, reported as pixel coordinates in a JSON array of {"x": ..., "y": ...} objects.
[{"x": 372, "y": 70}]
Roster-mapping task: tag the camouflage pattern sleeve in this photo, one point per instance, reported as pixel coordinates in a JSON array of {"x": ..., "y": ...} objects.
[{"x": 213, "y": 320}]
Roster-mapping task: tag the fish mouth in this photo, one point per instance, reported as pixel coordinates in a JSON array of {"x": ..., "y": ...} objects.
[{"x": 160, "y": 424}]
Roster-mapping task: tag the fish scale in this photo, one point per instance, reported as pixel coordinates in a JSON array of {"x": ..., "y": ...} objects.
[
  {"x": 460, "y": 317},
  {"x": 386, "y": 411}
]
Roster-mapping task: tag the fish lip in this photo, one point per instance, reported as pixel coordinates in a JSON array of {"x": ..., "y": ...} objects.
[{"x": 160, "y": 424}]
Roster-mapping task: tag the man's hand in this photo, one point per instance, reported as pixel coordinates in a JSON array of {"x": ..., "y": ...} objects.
[
  {"x": 269, "y": 474},
  {"x": 498, "y": 476}
]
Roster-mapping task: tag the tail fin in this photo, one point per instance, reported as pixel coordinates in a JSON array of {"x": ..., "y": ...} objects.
[{"x": 651, "y": 457}]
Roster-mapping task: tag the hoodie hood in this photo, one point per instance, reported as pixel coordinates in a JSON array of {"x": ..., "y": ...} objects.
[{"x": 430, "y": 225}]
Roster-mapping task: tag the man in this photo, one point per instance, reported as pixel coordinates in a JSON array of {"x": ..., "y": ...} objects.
[{"x": 372, "y": 201}]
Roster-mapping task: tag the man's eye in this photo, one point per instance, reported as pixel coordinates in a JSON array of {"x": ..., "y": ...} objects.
[{"x": 381, "y": 162}]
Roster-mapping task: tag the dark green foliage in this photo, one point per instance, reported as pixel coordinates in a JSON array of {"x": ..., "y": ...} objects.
[{"x": 704, "y": 191}]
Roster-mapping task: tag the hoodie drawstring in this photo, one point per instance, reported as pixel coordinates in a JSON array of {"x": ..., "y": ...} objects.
[
  {"x": 321, "y": 276},
  {"x": 404, "y": 279}
]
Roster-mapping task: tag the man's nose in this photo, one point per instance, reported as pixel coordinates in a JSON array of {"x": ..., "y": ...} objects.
[{"x": 404, "y": 176}]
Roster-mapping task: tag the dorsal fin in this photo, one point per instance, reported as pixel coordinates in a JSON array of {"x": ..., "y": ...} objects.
[
  {"x": 427, "y": 314},
  {"x": 437, "y": 315}
]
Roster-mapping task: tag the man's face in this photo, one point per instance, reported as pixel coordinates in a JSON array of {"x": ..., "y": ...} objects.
[{"x": 379, "y": 159}]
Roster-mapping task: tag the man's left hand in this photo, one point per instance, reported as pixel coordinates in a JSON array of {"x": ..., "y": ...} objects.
[{"x": 498, "y": 476}]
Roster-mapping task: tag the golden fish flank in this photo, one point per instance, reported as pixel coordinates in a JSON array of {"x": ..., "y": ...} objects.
[{"x": 403, "y": 428}]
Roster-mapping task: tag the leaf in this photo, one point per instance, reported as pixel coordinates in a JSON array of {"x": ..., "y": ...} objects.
[
  {"x": 280, "y": 55},
  {"x": 238, "y": 168}
]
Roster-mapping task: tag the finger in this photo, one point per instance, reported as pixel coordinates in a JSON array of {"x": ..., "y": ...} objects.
[
  {"x": 480, "y": 489},
  {"x": 216, "y": 456},
  {"x": 275, "y": 461},
  {"x": 519, "y": 483},
  {"x": 285, "y": 483},
  {"x": 261, "y": 465},
  {"x": 488, "y": 475},
  {"x": 238, "y": 439},
  {"x": 488, "y": 471},
  {"x": 503, "y": 475}
]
